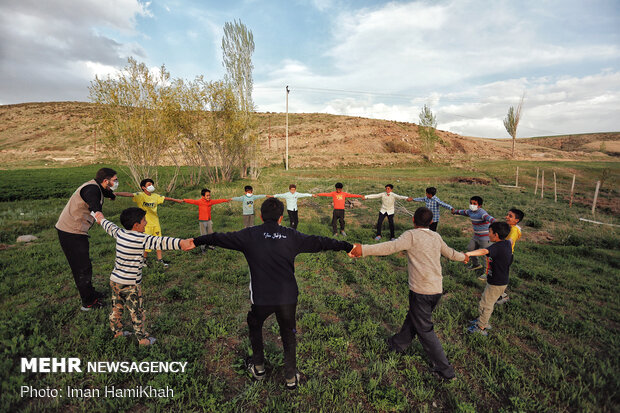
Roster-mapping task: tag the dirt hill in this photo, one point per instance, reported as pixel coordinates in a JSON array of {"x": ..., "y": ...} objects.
[{"x": 60, "y": 133}]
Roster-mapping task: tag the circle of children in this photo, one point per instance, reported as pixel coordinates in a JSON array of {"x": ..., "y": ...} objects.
[{"x": 270, "y": 250}]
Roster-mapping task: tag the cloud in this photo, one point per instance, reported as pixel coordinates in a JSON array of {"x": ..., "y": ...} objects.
[{"x": 51, "y": 49}]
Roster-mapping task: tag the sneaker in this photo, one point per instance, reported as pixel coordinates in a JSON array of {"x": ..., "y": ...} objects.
[
  {"x": 441, "y": 376},
  {"x": 392, "y": 239},
  {"x": 472, "y": 267},
  {"x": 93, "y": 306},
  {"x": 390, "y": 346},
  {"x": 122, "y": 334},
  {"x": 344, "y": 234},
  {"x": 502, "y": 300},
  {"x": 482, "y": 277},
  {"x": 292, "y": 383},
  {"x": 378, "y": 238},
  {"x": 147, "y": 341},
  {"x": 163, "y": 263},
  {"x": 475, "y": 329},
  {"x": 258, "y": 372},
  {"x": 211, "y": 247},
  {"x": 474, "y": 322}
]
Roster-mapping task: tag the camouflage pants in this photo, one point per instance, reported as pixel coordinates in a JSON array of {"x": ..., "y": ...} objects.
[{"x": 129, "y": 296}]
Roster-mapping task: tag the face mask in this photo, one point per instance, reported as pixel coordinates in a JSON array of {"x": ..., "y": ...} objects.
[
  {"x": 114, "y": 186},
  {"x": 150, "y": 188},
  {"x": 248, "y": 195},
  {"x": 473, "y": 207}
]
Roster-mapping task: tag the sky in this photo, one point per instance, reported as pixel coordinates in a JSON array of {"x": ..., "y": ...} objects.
[{"x": 468, "y": 60}]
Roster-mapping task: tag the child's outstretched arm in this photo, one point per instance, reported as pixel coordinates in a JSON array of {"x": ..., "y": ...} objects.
[
  {"x": 187, "y": 244},
  {"x": 180, "y": 201},
  {"x": 127, "y": 194},
  {"x": 477, "y": 253}
]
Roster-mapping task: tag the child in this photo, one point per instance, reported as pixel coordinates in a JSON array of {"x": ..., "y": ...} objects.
[
  {"x": 338, "y": 198},
  {"x": 388, "y": 198},
  {"x": 270, "y": 250},
  {"x": 248, "y": 205},
  {"x": 127, "y": 273},
  {"x": 424, "y": 250},
  {"x": 291, "y": 203},
  {"x": 204, "y": 211},
  {"x": 480, "y": 220},
  {"x": 513, "y": 217},
  {"x": 148, "y": 201},
  {"x": 433, "y": 203},
  {"x": 500, "y": 258}
]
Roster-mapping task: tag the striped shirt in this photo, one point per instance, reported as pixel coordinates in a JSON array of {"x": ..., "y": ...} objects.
[
  {"x": 480, "y": 220},
  {"x": 433, "y": 204},
  {"x": 130, "y": 247}
]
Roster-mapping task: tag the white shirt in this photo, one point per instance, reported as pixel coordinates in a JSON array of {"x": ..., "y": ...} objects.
[{"x": 387, "y": 201}]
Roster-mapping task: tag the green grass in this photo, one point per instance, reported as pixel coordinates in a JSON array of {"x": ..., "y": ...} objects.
[{"x": 554, "y": 346}]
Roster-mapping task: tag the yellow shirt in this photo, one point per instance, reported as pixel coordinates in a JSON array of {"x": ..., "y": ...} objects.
[
  {"x": 514, "y": 236},
  {"x": 149, "y": 204}
]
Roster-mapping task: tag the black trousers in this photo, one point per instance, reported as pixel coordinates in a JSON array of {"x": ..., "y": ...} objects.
[
  {"x": 293, "y": 217},
  {"x": 390, "y": 222},
  {"x": 338, "y": 215},
  {"x": 433, "y": 226},
  {"x": 418, "y": 322},
  {"x": 75, "y": 247},
  {"x": 285, "y": 315}
]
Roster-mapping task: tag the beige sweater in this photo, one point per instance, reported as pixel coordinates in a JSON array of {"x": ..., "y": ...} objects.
[{"x": 424, "y": 249}]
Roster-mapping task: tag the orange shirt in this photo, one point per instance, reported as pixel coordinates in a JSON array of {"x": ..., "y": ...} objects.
[
  {"x": 204, "y": 207},
  {"x": 339, "y": 198}
]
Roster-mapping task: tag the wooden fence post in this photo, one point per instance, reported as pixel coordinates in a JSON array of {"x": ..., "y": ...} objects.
[
  {"x": 555, "y": 188},
  {"x": 598, "y": 186},
  {"x": 517, "y": 180},
  {"x": 536, "y": 188},
  {"x": 572, "y": 189},
  {"x": 542, "y": 184}
]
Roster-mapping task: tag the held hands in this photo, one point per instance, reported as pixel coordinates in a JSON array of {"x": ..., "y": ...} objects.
[
  {"x": 409, "y": 199},
  {"x": 356, "y": 252},
  {"x": 466, "y": 260},
  {"x": 99, "y": 217},
  {"x": 187, "y": 244},
  {"x": 453, "y": 211},
  {"x": 313, "y": 195}
]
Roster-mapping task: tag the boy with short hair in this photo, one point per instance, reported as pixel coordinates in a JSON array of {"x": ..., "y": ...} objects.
[
  {"x": 513, "y": 217},
  {"x": 148, "y": 200},
  {"x": 338, "y": 197},
  {"x": 126, "y": 276},
  {"x": 433, "y": 203},
  {"x": 270, "y": 250},
  {"x": 388, "y": 198},
  {"x": 424, "y": 249},
  {"x": 204, "y": 211},
  {"x": 480, "y": 220},
  {"x": 291, "y": 198},
  {"x": 248, "y": 205},
  {"x": 500, "y": 258}
]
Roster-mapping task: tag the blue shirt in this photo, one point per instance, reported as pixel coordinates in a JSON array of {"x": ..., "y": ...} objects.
[
  {"x": 291, "y": 199},
  {"x": 433, "y": 204},
  {"x": 480, "y": 220}
]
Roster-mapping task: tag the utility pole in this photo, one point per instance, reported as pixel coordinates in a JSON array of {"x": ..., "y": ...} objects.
[{"x": 286, "y": 160}]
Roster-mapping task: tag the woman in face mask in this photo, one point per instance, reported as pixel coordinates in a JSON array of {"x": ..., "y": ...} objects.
[{"x": 73, "y": 225}]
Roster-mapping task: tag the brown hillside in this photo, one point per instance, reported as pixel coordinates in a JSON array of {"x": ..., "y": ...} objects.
[{"x": 60, "y": 133}]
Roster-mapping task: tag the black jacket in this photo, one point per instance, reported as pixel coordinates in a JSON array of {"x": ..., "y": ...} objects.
[{"x": 270, "y": 250}]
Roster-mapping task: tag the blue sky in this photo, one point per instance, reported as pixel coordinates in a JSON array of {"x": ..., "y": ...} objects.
[{"x": 468, "y": 60}]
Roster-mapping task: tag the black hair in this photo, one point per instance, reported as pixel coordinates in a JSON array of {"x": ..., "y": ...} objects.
[
  {"x": 502, "y": 229},
  {"x": 204, "y": 191},
  {"x": 104, "y": 173},
  {"x": 477, "y": 199},
  {"x": 146, "y": 181},
  {"x": 518, "y": 213},
  {"x": 423, "y": 217},
  {"x": 390, "y": 185},
  {"x": 271, "y": 210},
  {"x": 131, "y": 216},
  {"x": 292, "y": 186},
  {"x": 431, "y": 190},
  {"x": 338, "y": 185},
  {"x": 248, "y": 188}
]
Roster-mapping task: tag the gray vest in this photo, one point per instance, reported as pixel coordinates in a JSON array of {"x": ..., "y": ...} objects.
[{"x": 75, "y": 218}]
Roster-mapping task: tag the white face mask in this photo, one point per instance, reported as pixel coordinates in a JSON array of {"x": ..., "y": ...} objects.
[
  {"x": 248, "y": 195},
  {"x": 150, "y": 188},
  {"x": 473, "y": 207},
  {"x": 114, "y": 186}
]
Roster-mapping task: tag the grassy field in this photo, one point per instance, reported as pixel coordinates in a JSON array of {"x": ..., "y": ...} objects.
[{"x": 554, "y": 346}]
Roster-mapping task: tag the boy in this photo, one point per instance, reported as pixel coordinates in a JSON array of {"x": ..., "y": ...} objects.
[
  {"x": 148, "y": 200},
  {"x": 338, "y": 198},
  {"x": 424, "y": 250},
  {"x": 433, "y": 203},
  {"x": 270, "y": 250},
  {"x": 291, "y": 203},
  {"x": 513, "y": 217},
  {"x": 500, "y": 258},
  {"x": 248, "y": 205},
  {"x": 204, "y": 211},
  {"x": 480, "y": 220},
  {"x": 127, "y": 273},
  {"x": 388, "y": 198}
]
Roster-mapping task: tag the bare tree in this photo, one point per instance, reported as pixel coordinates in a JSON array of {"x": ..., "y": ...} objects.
[
  {"x": 428, "y": 134},
  {"x": 511, "y": 122}
]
